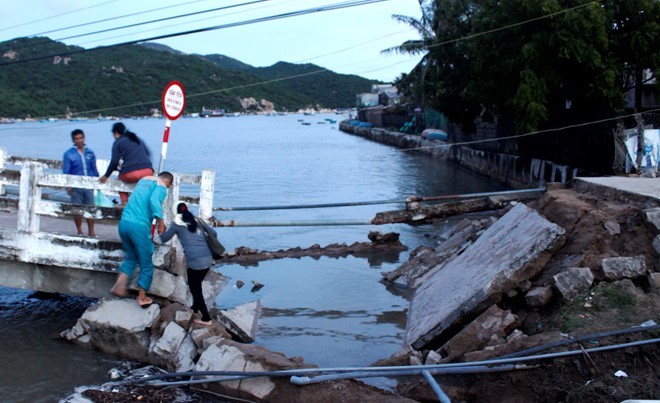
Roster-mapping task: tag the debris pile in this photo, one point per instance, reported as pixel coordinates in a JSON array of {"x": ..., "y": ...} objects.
[{"x": 494, "y": 286}]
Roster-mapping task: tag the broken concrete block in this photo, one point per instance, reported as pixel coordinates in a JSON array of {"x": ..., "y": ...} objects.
[
  {"x": 525, "y": 286},
  {"x": 612, "y": 227},
  {"x": 433, "y": 358},
  {"x": 492, "y": 324},
  {"x": 617, "y": 268},
  {"x": 199, "y": 335},
  {"x": 232, "y": 356},
  {"x": 120, "y": 327},
  {"x": 515, "y": 335},
  {"x": 182, "y": 318},
  {"x": 653, "y": 217},
  {"x": 241, "y": 321},
  {"x": 573, "y": 281},
  {"x": 510, "y": 251},
  {"x": 654, "y": 280},
  {"x": 415, "y": 361},
  {"x": 75, "y": 332},
  {"x": 656, "y": 243},
  {"x": 516, "y": 344},
  {"x": 539, "y": 296}
]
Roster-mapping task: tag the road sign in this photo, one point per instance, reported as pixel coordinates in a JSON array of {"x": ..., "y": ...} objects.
[{"x": 174, "y": 100}]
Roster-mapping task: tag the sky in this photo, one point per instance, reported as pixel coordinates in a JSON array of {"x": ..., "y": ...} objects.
[{"x": 346, "y": 41}]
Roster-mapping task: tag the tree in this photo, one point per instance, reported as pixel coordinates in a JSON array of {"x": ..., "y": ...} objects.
[{"x": 532, "y": 61}]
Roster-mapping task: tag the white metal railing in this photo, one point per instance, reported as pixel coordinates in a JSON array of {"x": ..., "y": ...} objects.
[{"x": 38, "y": 174}]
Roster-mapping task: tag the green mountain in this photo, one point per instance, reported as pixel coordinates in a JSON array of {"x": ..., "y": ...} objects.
[{"x": 41, "y": 77}]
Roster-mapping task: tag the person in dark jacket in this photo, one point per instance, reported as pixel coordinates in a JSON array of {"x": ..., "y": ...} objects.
[
  {"x": 80, "y": 160},
  {"x": 134, "y": 156},
  {"x": 198, "y": 255}
]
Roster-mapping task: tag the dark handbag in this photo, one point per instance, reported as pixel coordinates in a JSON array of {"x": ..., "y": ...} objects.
[{"x": 217, "y": 249}]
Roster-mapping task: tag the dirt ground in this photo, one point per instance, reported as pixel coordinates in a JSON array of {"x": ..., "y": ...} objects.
[
  {"x": 597, "y": 227},
  {"x": 591, "y": 222}
]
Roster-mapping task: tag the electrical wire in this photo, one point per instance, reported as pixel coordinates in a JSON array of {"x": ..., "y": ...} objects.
[
  {"x": 116, "y": 18},
  {"x": 332, "y": 7},
  {"x": 56, "y": 16},
  {"x": 162, "y": 19}
]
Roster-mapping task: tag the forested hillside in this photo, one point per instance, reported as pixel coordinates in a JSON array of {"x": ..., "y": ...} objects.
[{"x": 130, "y": 80}]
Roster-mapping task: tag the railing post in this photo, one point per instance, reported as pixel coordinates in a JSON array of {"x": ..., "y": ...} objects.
[
  {"x": 172, "y": 196},
  {"x": 29, "y": 195},
  {"x": 3, "y": 155},
  {"x": 206, "y": 189},
  {"x": 413, "y": 203}
]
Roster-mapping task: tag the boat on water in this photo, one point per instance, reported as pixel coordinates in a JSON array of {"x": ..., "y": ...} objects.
[
  {"x": 434, "y": 134},
  {"x": 212, "y": 113}
]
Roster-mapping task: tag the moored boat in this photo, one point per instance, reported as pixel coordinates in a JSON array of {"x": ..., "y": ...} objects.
[{"x": 212, "y": 113}]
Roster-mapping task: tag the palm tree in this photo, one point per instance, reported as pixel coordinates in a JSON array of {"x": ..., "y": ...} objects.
[{"x": 411, "y": 84}]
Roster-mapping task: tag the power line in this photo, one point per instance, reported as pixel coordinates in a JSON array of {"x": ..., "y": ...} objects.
[
  {"x": 162, "y": 19},
  {"x": 115, "y": 18},
  {"x": 58, "y": 15},
  {"x": 176, "y": 25},
  {"x": 133, "y": 25},
  {"x": 332, "y": 7}
]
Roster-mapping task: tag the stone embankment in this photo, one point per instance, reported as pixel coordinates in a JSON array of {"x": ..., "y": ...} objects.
[
  {"x": 573, "y": 262},
  {"x": 511, "y": 170}
]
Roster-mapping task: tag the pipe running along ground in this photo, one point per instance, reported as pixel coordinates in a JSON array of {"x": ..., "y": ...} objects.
[{"x": 362, "y": 372}]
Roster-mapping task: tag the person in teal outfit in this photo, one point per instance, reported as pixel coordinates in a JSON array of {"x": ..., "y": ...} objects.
[{"x": 144, "y": 205}]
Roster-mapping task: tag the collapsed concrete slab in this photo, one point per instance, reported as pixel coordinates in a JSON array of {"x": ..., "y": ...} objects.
[
  {"x": 512, "y": 250},
  {"x": 425, "y": 261}
]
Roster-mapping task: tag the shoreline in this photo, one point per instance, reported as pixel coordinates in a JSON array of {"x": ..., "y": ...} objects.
[{"x": 510, "y": 170}]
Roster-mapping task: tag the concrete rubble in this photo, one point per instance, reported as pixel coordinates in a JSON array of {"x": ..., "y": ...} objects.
[
  {"x": 476, "y": 289},
  {"x": 510, "y": 251},
  {"x": 165, "y": 335},
  {"x": 521, "y": 258}
]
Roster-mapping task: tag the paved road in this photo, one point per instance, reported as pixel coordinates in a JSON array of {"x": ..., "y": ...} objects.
[{"x": 649, "y": 187}]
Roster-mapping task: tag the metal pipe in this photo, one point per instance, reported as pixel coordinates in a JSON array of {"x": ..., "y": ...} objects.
[
  {"x": 484, "y": 194},
  {"x": 391, "y": 201},
  {"x": 305, "y": 206},
  {"x": 634, "y": 329},
  {"x": 383, "y": 371},
  {"x": 234, "y": 223},
  {"x": 436, "y": 388},
  {"x": 407, "y": 371}
]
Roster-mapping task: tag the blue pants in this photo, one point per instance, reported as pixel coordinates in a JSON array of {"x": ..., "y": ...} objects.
[{"x": 138, "y": 249}]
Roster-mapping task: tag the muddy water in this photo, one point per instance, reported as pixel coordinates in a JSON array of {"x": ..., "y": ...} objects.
[{"x": 333, "y": 312}]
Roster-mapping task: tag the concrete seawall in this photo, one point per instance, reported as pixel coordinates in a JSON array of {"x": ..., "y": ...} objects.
[{"x": 510, "y": 170}]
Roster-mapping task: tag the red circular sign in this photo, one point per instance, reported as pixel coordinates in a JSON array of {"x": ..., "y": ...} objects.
[{"x": 174, "y": 100}]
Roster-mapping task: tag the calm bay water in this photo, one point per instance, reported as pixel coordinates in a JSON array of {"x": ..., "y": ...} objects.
[{"x": 333, "y": 312}]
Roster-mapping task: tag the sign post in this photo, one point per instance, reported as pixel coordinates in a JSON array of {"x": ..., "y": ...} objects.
[{"x": 173, "y": 103}]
